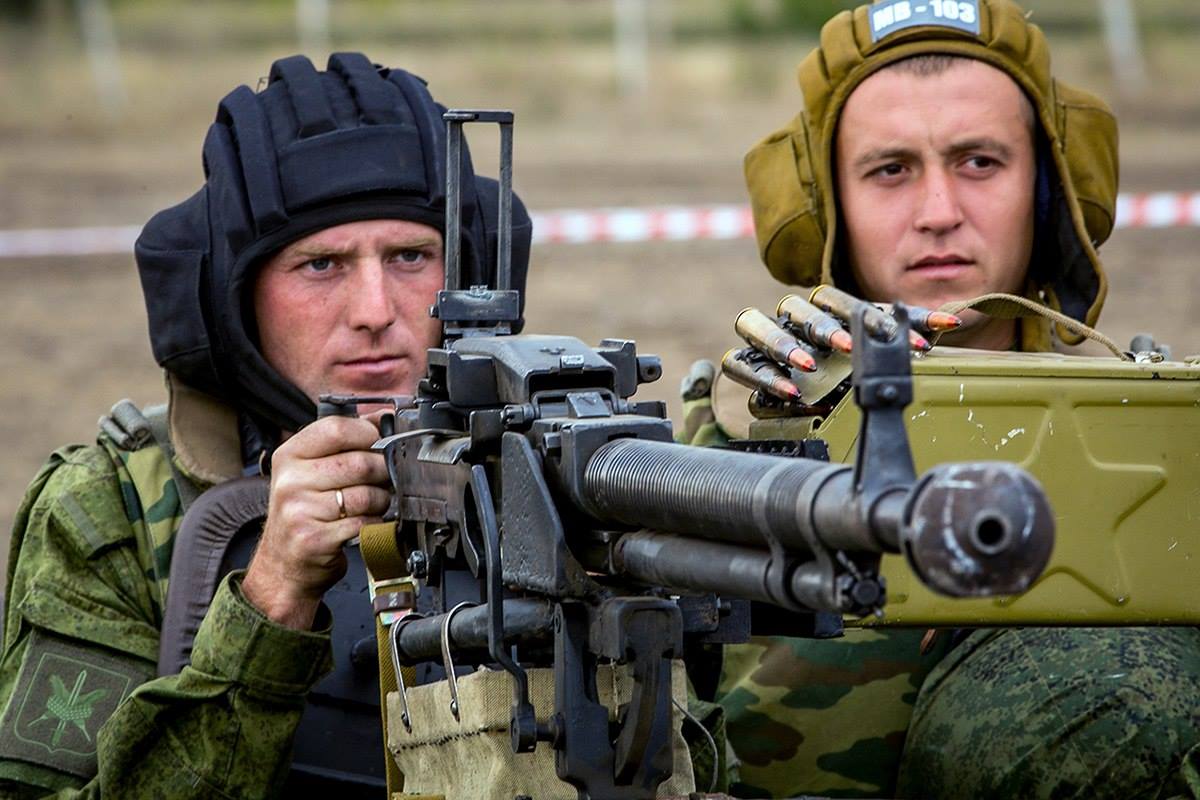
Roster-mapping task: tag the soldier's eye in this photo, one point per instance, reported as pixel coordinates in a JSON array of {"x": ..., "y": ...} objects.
[
  {"x": 411, "y": 258},
  {"x": 982, "y": 163},
  {"x": 322, "y": 264},
  {"x": 894, "y": 170}
]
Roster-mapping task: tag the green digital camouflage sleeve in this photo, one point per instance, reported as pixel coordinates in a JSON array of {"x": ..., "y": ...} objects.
[
  {"x": 81, "y": 713},
  {"x": 1097, "y": 713},
  {"x": 224, "y": 726},
  {"x": 700, "y": 427}
]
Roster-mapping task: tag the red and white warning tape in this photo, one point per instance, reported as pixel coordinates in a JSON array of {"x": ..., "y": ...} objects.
[
  {"x": 587, "y": 226},
  {"x": 666, "y": 223},
  {"x": 1159, "y": 210},
  {"x": 68, "y": 241}
]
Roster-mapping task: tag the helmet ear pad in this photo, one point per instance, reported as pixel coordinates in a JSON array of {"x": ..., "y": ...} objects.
[
  {"x": 790, "y": 173},
  {"x": 790, "y": 220},
  {"x": 795, "y": 209}
]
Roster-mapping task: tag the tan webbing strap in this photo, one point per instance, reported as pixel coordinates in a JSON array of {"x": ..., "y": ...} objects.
[
  {"x": 387, "y": 683},
  {"x": 385, "y": 569},
  {"x": 381, "y": 553},
  {"x": 1011, "y": 306}
]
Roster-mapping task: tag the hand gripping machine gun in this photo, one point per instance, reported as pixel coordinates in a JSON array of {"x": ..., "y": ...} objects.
[{"x": 546, "y": 520}]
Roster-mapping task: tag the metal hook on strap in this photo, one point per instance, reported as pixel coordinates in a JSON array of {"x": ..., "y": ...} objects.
[
  {"x": 394, "y": 640},
  {"x": 447, "y": 663}
]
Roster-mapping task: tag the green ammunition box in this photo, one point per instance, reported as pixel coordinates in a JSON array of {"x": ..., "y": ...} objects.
[{"x": 1115, "y": 444}]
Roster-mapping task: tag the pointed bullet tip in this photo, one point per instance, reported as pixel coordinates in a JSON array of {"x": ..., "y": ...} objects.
[
  {"x": 802, "y": 361},
  {"x": 941, "y": 321},
  {"x": 785, "y": 389},
  {"x": 842, "y": 342}
]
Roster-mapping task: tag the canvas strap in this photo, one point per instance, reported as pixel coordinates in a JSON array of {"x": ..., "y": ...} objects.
[{"x": 1011, "y": 306}]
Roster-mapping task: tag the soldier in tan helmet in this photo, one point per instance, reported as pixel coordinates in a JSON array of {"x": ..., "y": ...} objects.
[{"x": 936, "y": 159}]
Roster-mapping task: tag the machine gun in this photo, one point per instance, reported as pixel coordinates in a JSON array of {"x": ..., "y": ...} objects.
[{"x": 549, "y": 520}]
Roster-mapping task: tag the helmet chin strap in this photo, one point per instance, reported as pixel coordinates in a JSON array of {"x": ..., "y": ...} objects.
[{"x": 259, "y": 439}]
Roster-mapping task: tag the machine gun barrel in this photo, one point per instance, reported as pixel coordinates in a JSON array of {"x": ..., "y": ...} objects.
[
  {"x": 967, "y": 529},
  {"x": 685, "y": 564}
]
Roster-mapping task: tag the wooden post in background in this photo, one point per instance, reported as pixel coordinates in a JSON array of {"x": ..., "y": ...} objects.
[
  {"x": 312, "y": 29},
  {"x": 631, "y": 45},
  {"x": 1124, "y": 46},
  {"x": 100, "y": 43}
]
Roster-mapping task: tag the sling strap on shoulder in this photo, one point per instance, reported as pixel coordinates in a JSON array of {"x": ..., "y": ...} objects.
[
  {"x": 206, "y": 539},
  {"x": 338, "y": 747}
]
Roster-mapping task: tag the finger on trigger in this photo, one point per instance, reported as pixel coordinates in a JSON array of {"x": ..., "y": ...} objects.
[
  {"x": 346, "y": 469},
  {"x": 366, "y": 501}
]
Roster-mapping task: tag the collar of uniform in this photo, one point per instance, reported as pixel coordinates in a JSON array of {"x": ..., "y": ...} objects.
[{"x": 204, "y": 433}]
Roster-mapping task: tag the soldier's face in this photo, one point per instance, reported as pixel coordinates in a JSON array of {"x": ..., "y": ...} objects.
[
  {"x": 935, "y": 176},
  {"x": 345, "y": 309}
]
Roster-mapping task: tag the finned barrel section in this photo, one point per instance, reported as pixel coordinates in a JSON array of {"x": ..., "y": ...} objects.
[
  {"x": 708, "y": 493},
  {"x": 972, "y": 529}
]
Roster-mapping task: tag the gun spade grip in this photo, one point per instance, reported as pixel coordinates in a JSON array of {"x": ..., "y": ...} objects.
[{"x": 978, "y": 529}]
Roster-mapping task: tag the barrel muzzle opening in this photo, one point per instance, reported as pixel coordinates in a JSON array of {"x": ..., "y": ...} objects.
[{"x": 978, "y": 529}]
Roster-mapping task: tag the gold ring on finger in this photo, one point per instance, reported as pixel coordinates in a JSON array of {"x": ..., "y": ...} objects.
[{"x": 341, "y": 501}]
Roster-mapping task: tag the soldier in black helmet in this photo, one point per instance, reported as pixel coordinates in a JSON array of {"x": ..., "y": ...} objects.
[{"x": 142, "y": 661}]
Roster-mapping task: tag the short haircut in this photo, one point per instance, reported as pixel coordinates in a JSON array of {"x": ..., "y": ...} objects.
[{"x": 928, "y": 65}]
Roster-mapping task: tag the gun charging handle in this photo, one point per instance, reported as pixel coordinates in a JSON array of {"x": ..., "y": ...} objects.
[{"x": 346, "y": 405}]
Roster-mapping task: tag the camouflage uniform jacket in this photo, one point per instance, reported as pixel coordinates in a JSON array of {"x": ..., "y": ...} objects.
[{"x": 83, "y": 713}]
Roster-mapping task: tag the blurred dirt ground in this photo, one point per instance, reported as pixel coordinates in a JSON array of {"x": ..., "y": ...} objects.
[{"x": 74, "y": 328}]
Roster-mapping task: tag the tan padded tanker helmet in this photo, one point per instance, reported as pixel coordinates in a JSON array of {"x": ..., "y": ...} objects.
[{"x": 790, "y": 173}]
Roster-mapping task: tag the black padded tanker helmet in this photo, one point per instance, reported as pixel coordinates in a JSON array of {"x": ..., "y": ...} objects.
[{"x": 310, "y": 151}]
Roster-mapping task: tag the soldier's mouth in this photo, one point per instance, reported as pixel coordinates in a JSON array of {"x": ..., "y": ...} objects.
[
  {"x": 943, "y": 267},
  {"x": 373, "y": 365}
]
